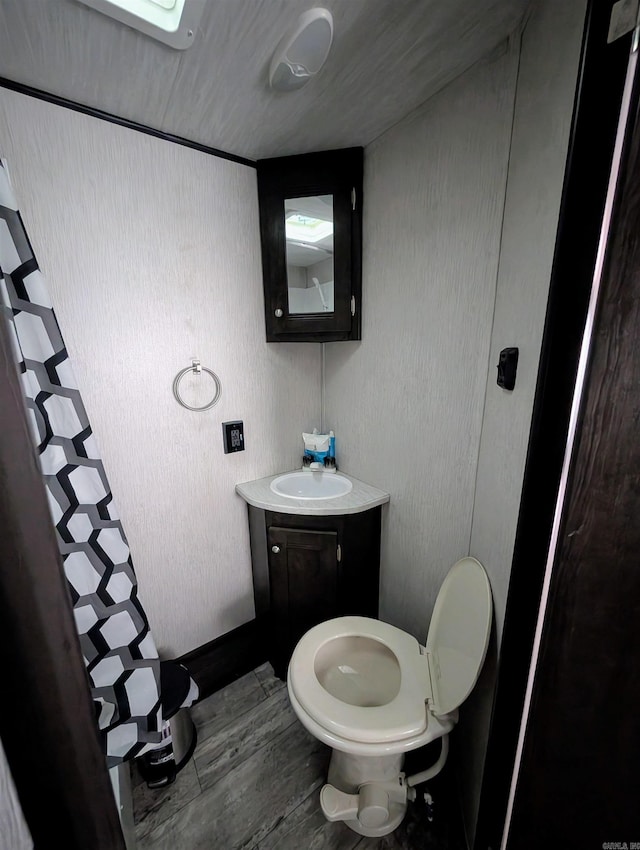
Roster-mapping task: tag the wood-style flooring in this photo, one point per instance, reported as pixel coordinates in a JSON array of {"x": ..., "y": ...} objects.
[{"x": 254, "y": 784}]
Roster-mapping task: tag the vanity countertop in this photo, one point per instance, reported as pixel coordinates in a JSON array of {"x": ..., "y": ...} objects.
[{"x": 360, "y": 498}]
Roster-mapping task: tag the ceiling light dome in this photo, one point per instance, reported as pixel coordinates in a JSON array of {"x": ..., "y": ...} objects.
[{"x": 303, "y": 51}]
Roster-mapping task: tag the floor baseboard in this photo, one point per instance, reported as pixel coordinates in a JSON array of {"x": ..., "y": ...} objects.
[{"x": 216, "y": 664}]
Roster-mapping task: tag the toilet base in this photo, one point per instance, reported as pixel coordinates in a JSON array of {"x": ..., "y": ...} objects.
[{"x": 348, "y": 772}]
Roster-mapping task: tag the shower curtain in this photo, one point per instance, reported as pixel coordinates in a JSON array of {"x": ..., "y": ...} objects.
[{"x": 117, "y": 645}]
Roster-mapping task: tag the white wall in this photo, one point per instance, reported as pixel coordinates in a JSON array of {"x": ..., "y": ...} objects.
[
  {"x": 322, "y": 270},
  {"x": 544, "y": 106},
  {"x": 14, "y": 832},
  {"x": 415, "y": 405},
  {"x": 309, "y": 300},
  {"x": 406, "y": 403},
  {"x": 120, "y": 777},
  {"x": 152, "y": 255}
]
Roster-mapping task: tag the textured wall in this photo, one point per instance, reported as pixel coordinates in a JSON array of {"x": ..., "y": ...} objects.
[
  {"x": 406, "y": 402},
  {"x": 544, "y": 105},
  {"x": 415, "y": 406},
  {"x": 14, "y": 832},
  {"x": 152, "y": 255}
]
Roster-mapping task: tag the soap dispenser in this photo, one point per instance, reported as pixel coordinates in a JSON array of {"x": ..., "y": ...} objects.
[{"x": 330, "y": 460}]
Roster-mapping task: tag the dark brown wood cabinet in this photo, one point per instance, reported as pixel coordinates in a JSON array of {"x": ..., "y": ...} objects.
[
  {"x": 308, "y": 569},
  {"x": 311, "y": 238},
  {"x": 303, "y": 575}
]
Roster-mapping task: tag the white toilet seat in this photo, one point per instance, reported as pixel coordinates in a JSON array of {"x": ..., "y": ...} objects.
[
  {"x": 436, "y": 727},
  {"x": 404, "y": 717},
  {"x": 364, "y": 686}
]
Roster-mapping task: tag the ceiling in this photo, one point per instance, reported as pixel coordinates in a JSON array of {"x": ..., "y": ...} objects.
[{"x": 388, "y": 57}]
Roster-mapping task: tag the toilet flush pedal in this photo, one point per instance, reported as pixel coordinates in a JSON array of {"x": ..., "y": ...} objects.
[
  {"x": 373, "y": 805},
  {"x": 379, "y": 807}
]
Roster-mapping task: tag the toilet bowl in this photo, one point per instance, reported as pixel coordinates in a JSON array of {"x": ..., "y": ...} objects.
[{"x": 372, "y": 693}]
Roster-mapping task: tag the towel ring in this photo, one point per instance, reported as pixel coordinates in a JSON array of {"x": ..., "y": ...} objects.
[{"x": 197, "y": 369}]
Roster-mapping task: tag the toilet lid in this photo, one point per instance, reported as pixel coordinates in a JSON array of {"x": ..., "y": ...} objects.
[{"x": 459, "y": 634}]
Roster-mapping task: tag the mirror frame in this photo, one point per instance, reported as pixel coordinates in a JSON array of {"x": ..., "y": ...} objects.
[{"x": 337, "y": 173}]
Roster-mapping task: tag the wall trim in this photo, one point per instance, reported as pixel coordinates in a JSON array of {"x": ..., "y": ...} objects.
[
  {"x": 225, "y": 659},
  {"x": 57, "y": 100},
  {"x": 595, "y": 500}
]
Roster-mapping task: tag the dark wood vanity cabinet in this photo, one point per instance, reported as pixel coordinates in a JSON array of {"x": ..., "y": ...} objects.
[
  {"x": 311, "y": 238},
  {"x": 308, "y": 569}
]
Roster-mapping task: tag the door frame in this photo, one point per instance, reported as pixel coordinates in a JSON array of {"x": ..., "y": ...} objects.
[{"x": 583, "y": 678}]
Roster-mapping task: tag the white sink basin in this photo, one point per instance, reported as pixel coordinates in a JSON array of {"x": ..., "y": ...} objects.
[{"x": 311, "y": 485}]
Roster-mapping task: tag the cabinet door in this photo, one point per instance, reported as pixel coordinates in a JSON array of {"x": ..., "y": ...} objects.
[
  {"x": 311, "y": 238},
  {"x": 303, "y": 577}
]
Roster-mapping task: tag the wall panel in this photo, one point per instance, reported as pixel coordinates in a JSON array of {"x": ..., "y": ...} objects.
[
  {"x": 14, "y": 832},
  {"x": 152, "y": 255},
  {"x": 544, "y": 104},
  {"x": 406, "y": 403}
]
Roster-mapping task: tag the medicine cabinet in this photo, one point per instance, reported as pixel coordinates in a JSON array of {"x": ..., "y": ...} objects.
[{"x": 311, "y": 236}]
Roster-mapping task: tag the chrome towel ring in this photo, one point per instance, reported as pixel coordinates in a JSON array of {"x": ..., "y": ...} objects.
[{"x": 197, "y": 369}]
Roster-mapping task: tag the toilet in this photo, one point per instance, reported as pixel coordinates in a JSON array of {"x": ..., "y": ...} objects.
[{"x": 372, "y": 693}]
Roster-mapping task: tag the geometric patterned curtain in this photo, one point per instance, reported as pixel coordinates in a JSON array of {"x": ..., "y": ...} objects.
[{"x": 119, "y": 650}]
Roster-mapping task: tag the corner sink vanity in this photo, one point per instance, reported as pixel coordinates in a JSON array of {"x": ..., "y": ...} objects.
[{"x": 315, "y": 553}]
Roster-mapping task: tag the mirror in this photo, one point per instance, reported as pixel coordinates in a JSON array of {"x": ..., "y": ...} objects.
[{"x": 308, "y": 225}]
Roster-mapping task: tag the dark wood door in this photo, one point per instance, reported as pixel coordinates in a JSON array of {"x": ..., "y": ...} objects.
[
  {"x": 578, "y": 783},
  {"x": 303, "y": 575}
]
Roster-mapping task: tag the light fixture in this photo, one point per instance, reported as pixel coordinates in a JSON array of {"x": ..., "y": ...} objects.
[
  {"x": 303, "y": 51},
  {"x": 306, "y": 229},
  {"x": 173, "y": 22}
]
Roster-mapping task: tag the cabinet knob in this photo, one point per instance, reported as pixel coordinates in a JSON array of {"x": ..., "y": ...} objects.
[
  {"x": 275, "y": 549},
  {"x": 278, "y": 313}
]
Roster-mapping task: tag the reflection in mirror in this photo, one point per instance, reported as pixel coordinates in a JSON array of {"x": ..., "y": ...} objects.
[{"x": 309, "y": 235}]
